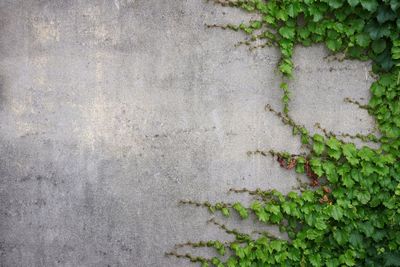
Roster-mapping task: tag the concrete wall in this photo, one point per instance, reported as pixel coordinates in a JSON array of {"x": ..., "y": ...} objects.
[{"x": 112, "y": 111}]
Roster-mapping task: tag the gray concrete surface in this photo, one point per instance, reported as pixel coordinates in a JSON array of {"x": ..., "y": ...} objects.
[{"x": 112, "y": 111}]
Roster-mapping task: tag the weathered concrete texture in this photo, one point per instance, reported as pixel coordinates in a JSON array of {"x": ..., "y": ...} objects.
[{"x": 112, "y": 111}]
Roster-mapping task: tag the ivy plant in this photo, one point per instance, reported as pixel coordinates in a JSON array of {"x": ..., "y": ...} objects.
[{"x": 349, "y": 212}]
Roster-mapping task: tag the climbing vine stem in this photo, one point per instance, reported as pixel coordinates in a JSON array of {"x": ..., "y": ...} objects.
[{"x": 349, "y": 213}]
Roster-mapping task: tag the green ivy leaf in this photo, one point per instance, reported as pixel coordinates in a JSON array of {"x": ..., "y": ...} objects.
[
  {"x": 316, "y": 13},
  {"x": 397, "y": 191},
  {"x": 366, "y": 154},
  {"x": 353, "y": 3},
  {"x": 282, "y": 15},
  {"x": 336, "y": 212},
  {"x": 341, "y": 236},
  {"x": 256, "y": 25},
  {"x": 316, "y": 166},
  {"x": 385, "y": 60},
  {"x": 370, "y": 5},
  {"x": 347, "y": 181},
  {"x": 356, "y": 239},
  {"x": 300, "y": 164},
  {"x": 378, "y": 46},
  {"x": 330, "y": 171},
  {"x": 287, "y": 32},
  {"x": 215, "y": 261},
  {"x": 241, "y": 210},
  {"x": 303, "y": 32},
  {"x": 394, "y": 4},
  {"x": 391, "y": 259},
  {"x": 318, "y": 148},
  {"x": 232, "y": 262},
  {"x": 225, "y": 212},
  {"x": 315, "y": 259},
  {"x": 294, "y": 9},
  {"x": 276, "y": 245},
  {"x": 313, "y": 234},
  {"x": 332, "y": 262},
  {"x": 350, "y": 152},
  {"x": 286, "y": 67},
  {"x": 334, "y": 150},
  {"x": 363, "y": 39},
  {"x": 334, "y": 44},
  {"x": 385, "y": 14},
  {"x": 320, "y": 224},
  {"x": 335, "y": 3},
  {"x": 367, "y": 228},
  {"x": 348, "y": 258},
  {"x": 274, "y": 209},
  {"x": 376, "y": 31},
  {"x": 309, "y": 195},
  {"x": 363, "y": 196}
]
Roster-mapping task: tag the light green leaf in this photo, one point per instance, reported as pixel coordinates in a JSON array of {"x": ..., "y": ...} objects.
[
  {"x": 336, "y": 212},
  {"x": 350, "y": 152},
  {"x": 370, "y": 5},
  {"x": 341, "y": 236},
  {"x": 318, "y": 148},
  {"x": 241, "y": 210},
  {"x": 334, "y": 44},
  {"x": 353, "y": 3},
  {"x": 363, "y": 39},
  {"x": 363, "y": 196},
  {"x": 330, "y": 171},
  {"x": 315, "y": 260},
  {"x": 225, "y": 212},
  {"x": 335, "y": 3},
  {"x": 347, "y": 181},
  {"x": 287, "y": 32}
]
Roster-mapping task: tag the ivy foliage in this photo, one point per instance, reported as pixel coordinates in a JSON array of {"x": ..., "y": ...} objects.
[
  {"x": 360, "y": 29},
  {"x": 349, "y": 214}
]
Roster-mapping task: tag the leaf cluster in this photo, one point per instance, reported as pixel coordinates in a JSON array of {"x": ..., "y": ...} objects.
[{"x": 351, "y": 217}]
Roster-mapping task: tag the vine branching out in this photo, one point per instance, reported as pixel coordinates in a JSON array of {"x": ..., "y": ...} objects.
[{"x": 349, "y": 213}]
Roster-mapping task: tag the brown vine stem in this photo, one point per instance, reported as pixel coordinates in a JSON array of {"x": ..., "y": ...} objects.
[
  {"x": 338, "y": 56},
  {"x": 355, "y": 102},
  {"x": 270, "y": 37},
  {"x": 205, "y": 204},
  {"x": 187, "y": 256},
  {"x": 366, "y": 138},
  {"x": 197, "y": 244},
  {"x": 267, "y": 234},
  {"x": 264, "y": 195},
  {"x": 273, "y": 153},
  {"x": 287, "y": 120},
  {"x": 302, "y": 186},
  {"x": 225, "y": 2},
  {"x": 258, "y": 152},
  {"x": 236, "y": 233},
  {"x": 223, "y": 27}
]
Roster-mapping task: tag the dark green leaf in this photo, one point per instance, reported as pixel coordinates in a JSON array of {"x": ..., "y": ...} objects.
[
  {"x": 378, "y": 45},
  {"x": 385, "y": 14}
]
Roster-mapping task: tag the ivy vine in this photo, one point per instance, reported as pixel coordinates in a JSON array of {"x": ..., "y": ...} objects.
[{"x": 349, "y": 212}]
